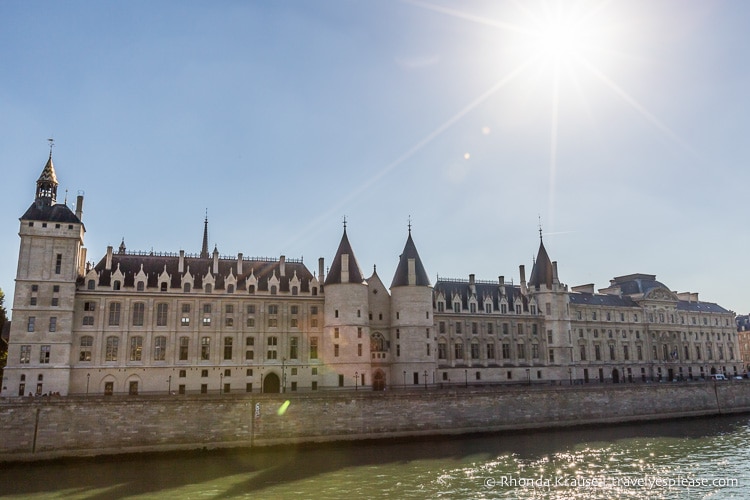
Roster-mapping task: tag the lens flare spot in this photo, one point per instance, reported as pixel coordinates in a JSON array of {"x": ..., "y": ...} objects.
[
  {"x": 283, "y": 408},
  {"x": 467, "y": 156}
]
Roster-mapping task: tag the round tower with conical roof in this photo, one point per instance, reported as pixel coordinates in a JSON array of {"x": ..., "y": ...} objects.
[
  {"x": 553, "y": 302},
  {"x": 413, "y": 351},
  {"x": 344, "y": 348}
]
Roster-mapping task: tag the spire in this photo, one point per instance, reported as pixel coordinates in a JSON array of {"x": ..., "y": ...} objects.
[
  {"x": 542, "y": 272},
  {"x": 204, "y": 248},
  {"x": 46, "y": 185},
  {"x": 410, "y": 270},
  {"x": 344, "y": 268}
]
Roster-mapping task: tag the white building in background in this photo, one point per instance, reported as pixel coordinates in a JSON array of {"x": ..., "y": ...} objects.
[{"x": 139, "y": 322}]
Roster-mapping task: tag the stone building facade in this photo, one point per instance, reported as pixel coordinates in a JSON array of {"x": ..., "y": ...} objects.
[{"x": 138, "y": 322}]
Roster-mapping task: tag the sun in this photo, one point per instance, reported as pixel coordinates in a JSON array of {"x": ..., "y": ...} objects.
[{"x": 560, "y": 40}]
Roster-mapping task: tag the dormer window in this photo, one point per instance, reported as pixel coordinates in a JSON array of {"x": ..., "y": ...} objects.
[
  {"x": 230, "y": 288},
  {"x": 164, "y": 286},
  {"x": 116, "y": 285},
  {"x": 186, "y": 288},
  {"x": 140, "y": 286}
]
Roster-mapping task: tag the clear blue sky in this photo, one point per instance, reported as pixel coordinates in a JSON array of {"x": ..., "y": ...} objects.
[{"x": 621, "y": 124}]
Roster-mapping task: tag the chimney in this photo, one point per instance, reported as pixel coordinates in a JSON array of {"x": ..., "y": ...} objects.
[
  {"x": 471, "y": 279},
  {"x": 282, "y": 266},
  {"x": 79, "y": 207},
  {"x": 555, "y": 279},
  {"x": 345, "y": 268},
  {"x": 239, "y": 263},
  {"x": 108, "y": 264},
  {"x": 82, "y": 262},
  {"x": 501, "y": 279},
  {"x": 321, "y": 266},
  {"x": 181, "y": 263},
  {"x": 522, "y": 270}
]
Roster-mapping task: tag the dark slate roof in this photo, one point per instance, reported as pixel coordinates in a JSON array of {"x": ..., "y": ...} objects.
[
  {"x": 483, "y": 289},
  {"x": 684, "y": 305},
  {"x": 153, "y": 266},
  {"x": 334, "y": 273},
  {"x": 53, "y": 213},
  {"x": 597, "y": 299},
  {"x": 401, "y": 277},
  {"x": 634, "y": 284},
  {"x": 541, "y": 274}
]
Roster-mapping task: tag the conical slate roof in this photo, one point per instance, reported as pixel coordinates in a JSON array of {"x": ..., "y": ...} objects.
[
  {"x": 355, "y": 273},
  {"x": 541, "y": 274},
  {"x": 401, "y": 277}
]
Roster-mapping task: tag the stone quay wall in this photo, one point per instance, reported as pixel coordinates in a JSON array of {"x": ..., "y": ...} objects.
[{"x": 43, "y": 428}]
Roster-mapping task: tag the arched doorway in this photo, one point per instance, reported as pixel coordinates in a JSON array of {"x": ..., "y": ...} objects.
[
  {"x": 271, "y": 383},
  {"x": 615, "y": 376},
  {"x": 378, "y": 381},
  {"x": 713, "y": 370}
]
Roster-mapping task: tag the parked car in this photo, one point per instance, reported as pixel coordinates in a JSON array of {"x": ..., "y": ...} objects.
[{"x": 718, "y": 376}]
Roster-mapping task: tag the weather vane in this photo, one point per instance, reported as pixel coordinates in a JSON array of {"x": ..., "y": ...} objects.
[
  {"x": 345, "y": 223},
  {"x": 51, "y": 145}
]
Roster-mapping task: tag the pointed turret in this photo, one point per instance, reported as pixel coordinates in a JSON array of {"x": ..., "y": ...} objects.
[
  {"x": 46, "y": 185},
  {"x": 344, "y": 268},
  {"x": 410, "y": 271},
  {"x": 542, "y": 272},
  {"x": 204, "y": 248}
]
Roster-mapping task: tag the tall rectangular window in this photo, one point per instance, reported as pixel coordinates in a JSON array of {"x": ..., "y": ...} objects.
[
  {"x": 58, "y": 264},
  {"x": 114, "y": 314},
  {"x": 111, "y": 349},
  {"x": 459, "y": 351},
  {"x": 184, "y": 347},
  {"x": 138, "y": 311},
  {"x": 161, "y": 314},
  {"x": 293, "y": 347},
  {"x": 25, "y": 355},
  {"x": 53, "y": 324},
  {"x": 205, "y": 348},
  {"x": 136, "y": 348},
  {"x": 86, "y": 343},
  {"x": 506, "y": 351},
  {"x": 30, "y": 324},
  {"x": 490, "y": 351},
  {"x": 160, "y": 348},
  {"x": 250, "y": 348},
  {"x": 228, "y": 342},
  {"x": 313, "y": 347},
  {"x": 44, "y": 354},
  {"x": 272, "y": 346},
  {"x": 442, "y": 350}
]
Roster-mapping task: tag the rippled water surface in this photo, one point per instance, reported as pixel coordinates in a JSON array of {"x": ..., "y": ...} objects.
[{"x": 685, "y": 459}]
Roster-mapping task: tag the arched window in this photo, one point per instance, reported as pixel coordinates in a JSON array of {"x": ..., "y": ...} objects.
[
  {"x": 250, "y": 288},
  {"x": 377, "y": 342},
  {"x": 315, "y": 290},
  {"x": 273, "y": 290},
  {"x": 294, "y": 290},
  {"x": 116, "y": 285},
  {"x": 164, "y": 286}
]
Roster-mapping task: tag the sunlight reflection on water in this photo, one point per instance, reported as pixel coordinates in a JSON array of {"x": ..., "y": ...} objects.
[{"x": 703, "y": 458}]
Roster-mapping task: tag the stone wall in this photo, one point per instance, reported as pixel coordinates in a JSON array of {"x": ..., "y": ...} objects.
[{"x": 42, "y": 428}]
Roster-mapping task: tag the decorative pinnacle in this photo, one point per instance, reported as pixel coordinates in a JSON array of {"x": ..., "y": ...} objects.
[
  {"x": 540, "y": 227},
  {"x": 344, "y": 222},
  {"x": 409, "y": 224}
]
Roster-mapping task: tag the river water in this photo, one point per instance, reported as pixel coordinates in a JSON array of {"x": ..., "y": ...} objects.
[{"x": 684, "y": 459}]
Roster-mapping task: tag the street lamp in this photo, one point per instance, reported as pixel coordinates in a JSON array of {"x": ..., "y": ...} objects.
[
  {"x": 356, "y": 381},
  {"x": 169, "y": 381},
  {"x": 88, "y": 378}
]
